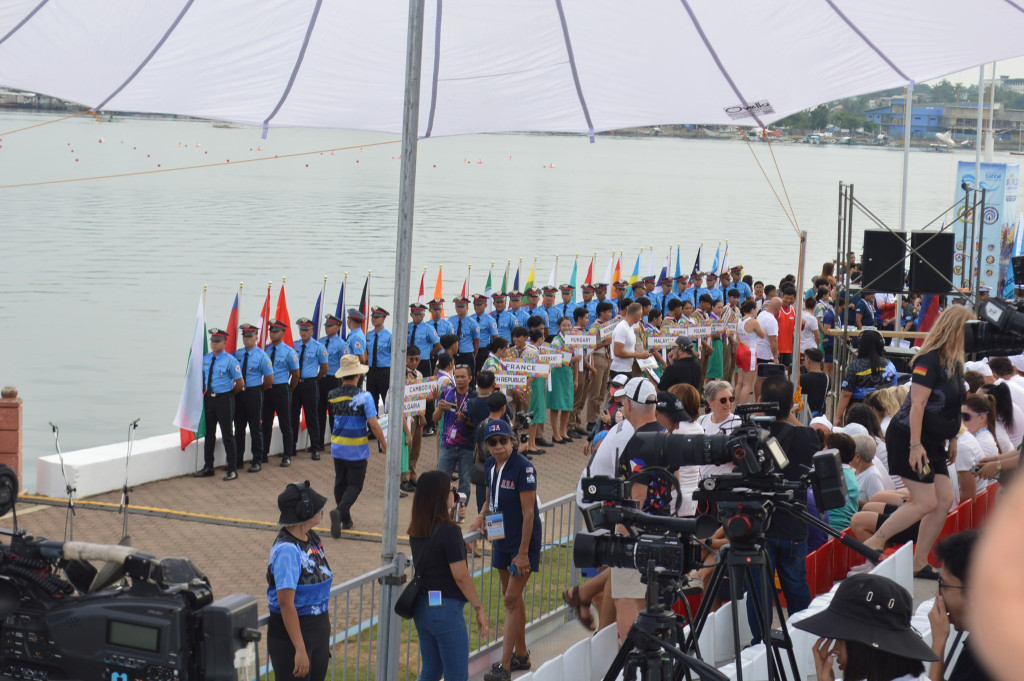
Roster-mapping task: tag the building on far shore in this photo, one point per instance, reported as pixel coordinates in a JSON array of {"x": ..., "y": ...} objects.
[{"x": 960, "y": 120}]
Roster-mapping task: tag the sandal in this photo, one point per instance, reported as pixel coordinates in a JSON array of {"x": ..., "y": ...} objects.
[
  {"x": 927, "y": 572},
  {"x": 571, "y": 596}
]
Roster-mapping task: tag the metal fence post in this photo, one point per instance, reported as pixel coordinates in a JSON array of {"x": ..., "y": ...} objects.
[{"x": 389, "y": 625}]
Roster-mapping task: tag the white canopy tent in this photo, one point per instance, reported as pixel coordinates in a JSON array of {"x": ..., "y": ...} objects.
[{"x": 489, "y": 66}]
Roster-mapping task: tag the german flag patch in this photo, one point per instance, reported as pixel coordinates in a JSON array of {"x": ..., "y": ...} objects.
[{"x": 920, "y": 371}]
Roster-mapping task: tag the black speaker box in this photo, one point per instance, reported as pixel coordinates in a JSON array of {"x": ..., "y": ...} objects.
[
  {"x": 936, "y": 249},
  {"x": 883, "y": 249}
]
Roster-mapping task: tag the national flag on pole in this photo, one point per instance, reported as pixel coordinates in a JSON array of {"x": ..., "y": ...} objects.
[
  {"x": 439, "y": 284},
  {"x": 679, "y": 271},
  {"x": 264, "y": 321},
  {"x": 1018, "y": 249},
  {"x": 696, "y": 263},
  {"x": 616, "y": 276},
  {"x": 635, "y": 277},
  {"x": 515, "y": 282},
  {"x": 553, "y": 274},
  {"x": 487, "y": 292},
  {"x": 364, "y": 303},
  {"x": 529, "y": 279},
  {"x": 464, "y": 282},
  {"x": 650, "y": 264},
  {"x": 590, "y": 271},
  {"x": 191, "y": 419},
  {"x": 927, "y": 316},
  {"x": 572, "y": 279},
  {"x": 725, "y": 261},
  {"x": 608, "y": 272},
  {"x": 664, "y": 270},
  {"x": 316, "y": 316},
  {"x": 714, "y": 263},
  {"x": 281, "y": 315},
  {"x": 504, "y": 281},
  {"x": 339, "y": 311},
  {"x": 423, "y": 280},
  {"x": 232, "y": 342}
]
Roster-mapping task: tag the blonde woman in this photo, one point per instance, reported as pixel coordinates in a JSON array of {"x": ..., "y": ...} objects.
[{"x": 917, "y": 436}]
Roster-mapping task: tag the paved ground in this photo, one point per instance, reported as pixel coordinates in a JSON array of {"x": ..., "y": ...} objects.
[{"x": 234, "y": 558}]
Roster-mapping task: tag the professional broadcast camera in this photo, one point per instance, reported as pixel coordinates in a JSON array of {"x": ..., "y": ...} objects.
[{"x": 62, "y": 619}]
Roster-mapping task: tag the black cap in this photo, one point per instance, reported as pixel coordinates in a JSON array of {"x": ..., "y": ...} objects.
[
  {"x": 671, "y": 406},
  {"x": 376, "y": 311},
  {"x": 684, "y": 343},
  {"x": 566, "y": 288},
  {"x": 356, "y": 314},
  {"x": 248, "y": 329},
  {"x": 218, "y": 334},
  {"x": 304, "y": 323},
  {"x": 331, "y": 319},
  {"x": 417, "y": 307},
  {"x": 276, "y": 324},
  {"x": 298, "y": 503},
  {"x": 479, "y": 298}
]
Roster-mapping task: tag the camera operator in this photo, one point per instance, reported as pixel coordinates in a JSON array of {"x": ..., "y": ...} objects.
[
  {"x": 786, "y": 538},
  {"x": 299, "y": 585}
]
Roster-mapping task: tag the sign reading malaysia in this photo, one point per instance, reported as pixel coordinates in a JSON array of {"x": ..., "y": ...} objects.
[{"x": 750, "y": 110}]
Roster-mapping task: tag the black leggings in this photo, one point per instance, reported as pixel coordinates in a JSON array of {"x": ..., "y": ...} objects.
[{"x": 316, "y": 634}]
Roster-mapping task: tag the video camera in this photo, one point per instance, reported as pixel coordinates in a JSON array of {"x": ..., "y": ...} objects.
[
  {"x": 136, "y": 619},
  {"x": 522, "y": 421}
]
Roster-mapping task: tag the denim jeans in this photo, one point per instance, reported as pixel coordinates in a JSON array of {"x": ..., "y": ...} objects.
[
  {"x": 444, "y": 639},
  {"x": 788, "y": 559},
  {"x": 451, "y": 458}
]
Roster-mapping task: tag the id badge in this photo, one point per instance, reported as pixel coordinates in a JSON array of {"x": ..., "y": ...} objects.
[
  {"x": 495, "y": 526},
  {"x": 434, "y": 598}
]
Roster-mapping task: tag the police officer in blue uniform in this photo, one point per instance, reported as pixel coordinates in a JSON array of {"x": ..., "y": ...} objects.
[
  {"x": 222, "y": 377},
  {"x": 660, "y": 299},
  {"x": 278, "y": 399},
  {"x": 378, "y": 351},
  {"x": 735, "y": 274},
  {"x": 356, "y": 338},
  {"x": 621, "y": 289},
  {"x": 696, "y": 289},
  {"x": 638, "y": 290},
  {"x": 424, "y": 336},
  {"x": 521, "y": 311},
  {"x": 336, "y": 348},
  {"x": 258, "y": 376},
  {"x": 485, "y": 324},
  {"x": 468, "y": 332},
  {"x": 565, "y": 308},
  {"x": 504, "y": 320},
  {"x": 682, "y": 288},
  {"x": 649, "y": 285},
  {"x": 312, "y": 366},
  {"x": 589, "y": 302},
  {"x": 440, "y": 326},
  {"x": 714, "y": 289},
  {"x": 548, "y": 313}
]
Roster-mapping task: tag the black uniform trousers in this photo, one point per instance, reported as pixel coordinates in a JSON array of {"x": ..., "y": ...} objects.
[
  {"x": 248, "y": 410},
  {"x": 326, "y": 385},
  {"x": 277, "y": 401},
  {"x": 306, "y": 397},
  {"x": 348, "y": 483},
  {"x": 377, "y": 381},
  {"x": 220, "y": 409}
]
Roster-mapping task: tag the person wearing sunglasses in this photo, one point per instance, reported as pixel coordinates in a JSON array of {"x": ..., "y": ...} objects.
[
  {"x": 684, "y": 367},
  {"x": 511, "y": 521},
  {"x": 977, "y": 416},
  {"x": 721, "y": 419}
]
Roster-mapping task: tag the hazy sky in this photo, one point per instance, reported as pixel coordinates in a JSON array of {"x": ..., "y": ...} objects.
[{"x": 1011, "y": 67}]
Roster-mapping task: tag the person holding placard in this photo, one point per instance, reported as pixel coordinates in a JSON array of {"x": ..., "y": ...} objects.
[
  {"x": 559, "y": 397},
  {"x": 601, "y": 361},
  {"x": 582, "y": 372},
  {"x": 624, "y": 341}
]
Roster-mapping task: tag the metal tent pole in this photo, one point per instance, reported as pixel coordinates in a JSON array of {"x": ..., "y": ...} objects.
[
  {"x": 977, "y": 140},
  {"x": 388, "y": 638},
  {"x": 908, "y": 109},
  {"x": 795, "y": 368}
]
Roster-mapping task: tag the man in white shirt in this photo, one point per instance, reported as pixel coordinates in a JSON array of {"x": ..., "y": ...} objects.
[
  {"x": 624, "y": 349},
  {"x": 870, "y": 478},
  {"x": 1005, "y": 373},
  {"x": 768, "y": 347}
]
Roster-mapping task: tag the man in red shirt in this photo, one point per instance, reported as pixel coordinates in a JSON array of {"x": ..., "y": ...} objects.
[{"x": 787, "y": 322}]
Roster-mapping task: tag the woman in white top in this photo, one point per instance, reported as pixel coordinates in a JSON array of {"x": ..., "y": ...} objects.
[
  {"x": 1009, "y": 418},
  {"x": 976, "y": 413},
  {"x": 674, "y": 414},
  {"x": 968, "y": 454},
  {"x": 809, "y": 334},
  {"x": 747, "y": 332},
  {"x": 720, "y": 420}
]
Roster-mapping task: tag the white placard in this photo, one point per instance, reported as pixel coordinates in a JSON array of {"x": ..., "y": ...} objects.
[
  {"x": 660, "y": 341},
  {"x": 649, "y": 363},
  {"x": 511, "y": 380},
  {"x": 425, "y": 389},
  {"x": 528, "y": 368},
  {"x": 581, "y": 340},
  {"x": 415, "y": 407},
  {"x": 552, "y": 358}
]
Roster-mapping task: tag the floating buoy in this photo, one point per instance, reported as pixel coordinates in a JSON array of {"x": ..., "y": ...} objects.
[
  {"x": 307, "y": 165},
  {"x": 435, "y": 165},
  {"x": 157, "y": 165},
  {"x": 76, "y": 160},
  {"x": 198, "y": 145},
  {"x": 333, "y": 154},
  {"x": 101, "y": 140}
]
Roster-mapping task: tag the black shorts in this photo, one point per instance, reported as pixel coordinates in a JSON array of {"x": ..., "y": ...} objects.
[
  {"x": 897, "y": 442},
  {"x": 901, "y": 537}
]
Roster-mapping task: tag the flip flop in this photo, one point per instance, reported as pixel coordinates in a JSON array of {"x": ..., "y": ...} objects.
[
  {"x": 571, "y": 596},
  {"x": 927, "y": 572}
]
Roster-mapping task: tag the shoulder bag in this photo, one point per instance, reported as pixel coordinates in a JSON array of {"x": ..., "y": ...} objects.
[{"x": 405, "y": 606}]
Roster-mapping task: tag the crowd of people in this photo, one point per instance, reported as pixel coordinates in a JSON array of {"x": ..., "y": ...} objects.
[{"x": 912, "y": 446}]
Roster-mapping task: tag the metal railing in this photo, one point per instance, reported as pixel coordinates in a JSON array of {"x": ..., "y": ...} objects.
[{"x": 355, "y": 605}]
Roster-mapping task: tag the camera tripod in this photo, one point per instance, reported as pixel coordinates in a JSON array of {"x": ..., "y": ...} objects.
[
  {"x": 652, "y": 648},
  {"x": 746, "y": 561}
]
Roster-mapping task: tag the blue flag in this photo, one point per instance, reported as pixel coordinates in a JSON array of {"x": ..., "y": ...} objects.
[
  {"x": 316, "y": 316},
  {"x": 340, "y": 311}
]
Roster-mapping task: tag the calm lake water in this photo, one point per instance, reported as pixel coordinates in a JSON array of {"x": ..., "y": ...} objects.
[{"x": 102, "y": 278}]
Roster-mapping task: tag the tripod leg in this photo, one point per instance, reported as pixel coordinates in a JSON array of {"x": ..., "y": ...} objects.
[
  {"x": 760, "y": 584},
  {"x": 787, "y": 641},
  {"x": 700, "y": 618},
  {"x": 619, "y": 662}
]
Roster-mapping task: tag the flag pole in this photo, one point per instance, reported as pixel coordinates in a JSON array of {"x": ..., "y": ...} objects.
[
  {"x": 323, "y": 308},
  {"x": 469, "y": 272},
  {"x": 344, "y": 313},
  {"x": 204, "y": 343},
  {"x": 241, "y": 285},
  {"x": 366, "y": 319}
]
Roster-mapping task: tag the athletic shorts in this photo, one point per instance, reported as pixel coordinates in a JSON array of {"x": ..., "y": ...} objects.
[
  {"x": 745, "y": 358},
  {"x": 626, "y": 583},
  {"x": 501, "y": 558},
  {"x": 902, "y": 537}
]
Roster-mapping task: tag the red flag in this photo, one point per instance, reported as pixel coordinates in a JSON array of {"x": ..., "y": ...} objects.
[
  {"x": 590, "y": 273},
  {"x": 463, "y": 288},
  {"x": 423, "y": 277},
  {"x": 364, "y": 304},
  {"x": 187, "y": 437},
  {"x": 232, "y": 328},
  {"x": 264, "y": 321},
  {"x": 927, "y": 316},
  {"x": 282, "y": 316}
]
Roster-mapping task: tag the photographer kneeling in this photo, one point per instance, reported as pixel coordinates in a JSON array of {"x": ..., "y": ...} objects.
[{"x": 786, "y": 538}]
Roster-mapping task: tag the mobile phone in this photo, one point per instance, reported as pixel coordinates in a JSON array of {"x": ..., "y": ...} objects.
[
  {"x": 975, "y": 470},
  {"x": 925, "y": 471},
  {"x": 460, "y": 500}
]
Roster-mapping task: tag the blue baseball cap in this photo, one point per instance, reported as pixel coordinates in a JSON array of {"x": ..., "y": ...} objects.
[{"x": 498, "y": 427}]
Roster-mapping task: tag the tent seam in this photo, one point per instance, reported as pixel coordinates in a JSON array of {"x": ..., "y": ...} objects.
[
  {"x": 295, "y": 69},
  {"x": 24, "y": 21},
  {"x": 867, "y": 41},
  {"x": 436, "y": 72},
  {"x": 575, "y": 73}
]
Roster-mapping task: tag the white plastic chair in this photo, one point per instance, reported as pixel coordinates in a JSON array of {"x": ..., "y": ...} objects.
[
  {"x": 603, "y": 647},
  {"x": 576, "y": 661},
  {"x": 550, "y": 670}
]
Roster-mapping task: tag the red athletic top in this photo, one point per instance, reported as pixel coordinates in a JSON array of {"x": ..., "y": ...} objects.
[{"x": 786, "y": 322}]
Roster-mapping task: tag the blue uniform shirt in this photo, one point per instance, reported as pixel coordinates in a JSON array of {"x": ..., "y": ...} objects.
[
  {"x": 425, "y": 338},
  {"x": 517, "y": 475},
  {"x": 284, "y": 359},
  {"x": 559, "y": 310},
  {"x": 591, "y": 308},
  {"x": 312, "y": 358},
  {"x": 350, "y": 408},
  {"x": 257, "y": 368},
  {"x": 302, "y": 566},
  {"x": 743, "y": 288},
  {"x": 504, "y": 322},
  {"x": 467, "y": 331},
  {"x": 661, "y": 301},
  {"x": 226, "y": 370},
  {"x": 356, "y": 342},
  {"x": 522, "y": 314},
  {"x": 336, "y": 349},
  {"x": 717, "y": 293},
  {"x": 383, "y": 343},
  {"x": 485, "y": 323},
  {"x": 440, "y": 327}
]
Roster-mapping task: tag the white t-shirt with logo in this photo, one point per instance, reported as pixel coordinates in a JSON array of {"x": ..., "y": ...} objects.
[
  {"x": 624, "y": 334},
  {"x": 810, "y": 325}
]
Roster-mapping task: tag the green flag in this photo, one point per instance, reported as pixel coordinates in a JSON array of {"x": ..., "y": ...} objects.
[
  {"x": 504, "y": 281},
  {"x": 572, "y": 281},
  {"x": 487, "y": 292}
]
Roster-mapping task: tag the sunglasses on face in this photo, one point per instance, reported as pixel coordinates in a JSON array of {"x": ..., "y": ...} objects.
[
  {"x": 727, "y": 400},
  {"x": 499, "y": 439},
  {"x": 967, "y": 416}
]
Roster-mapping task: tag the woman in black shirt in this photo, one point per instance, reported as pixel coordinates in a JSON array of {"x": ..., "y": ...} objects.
[
  {"x": 917, "y": 437},
  {"x": 439, "y": 556}
]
